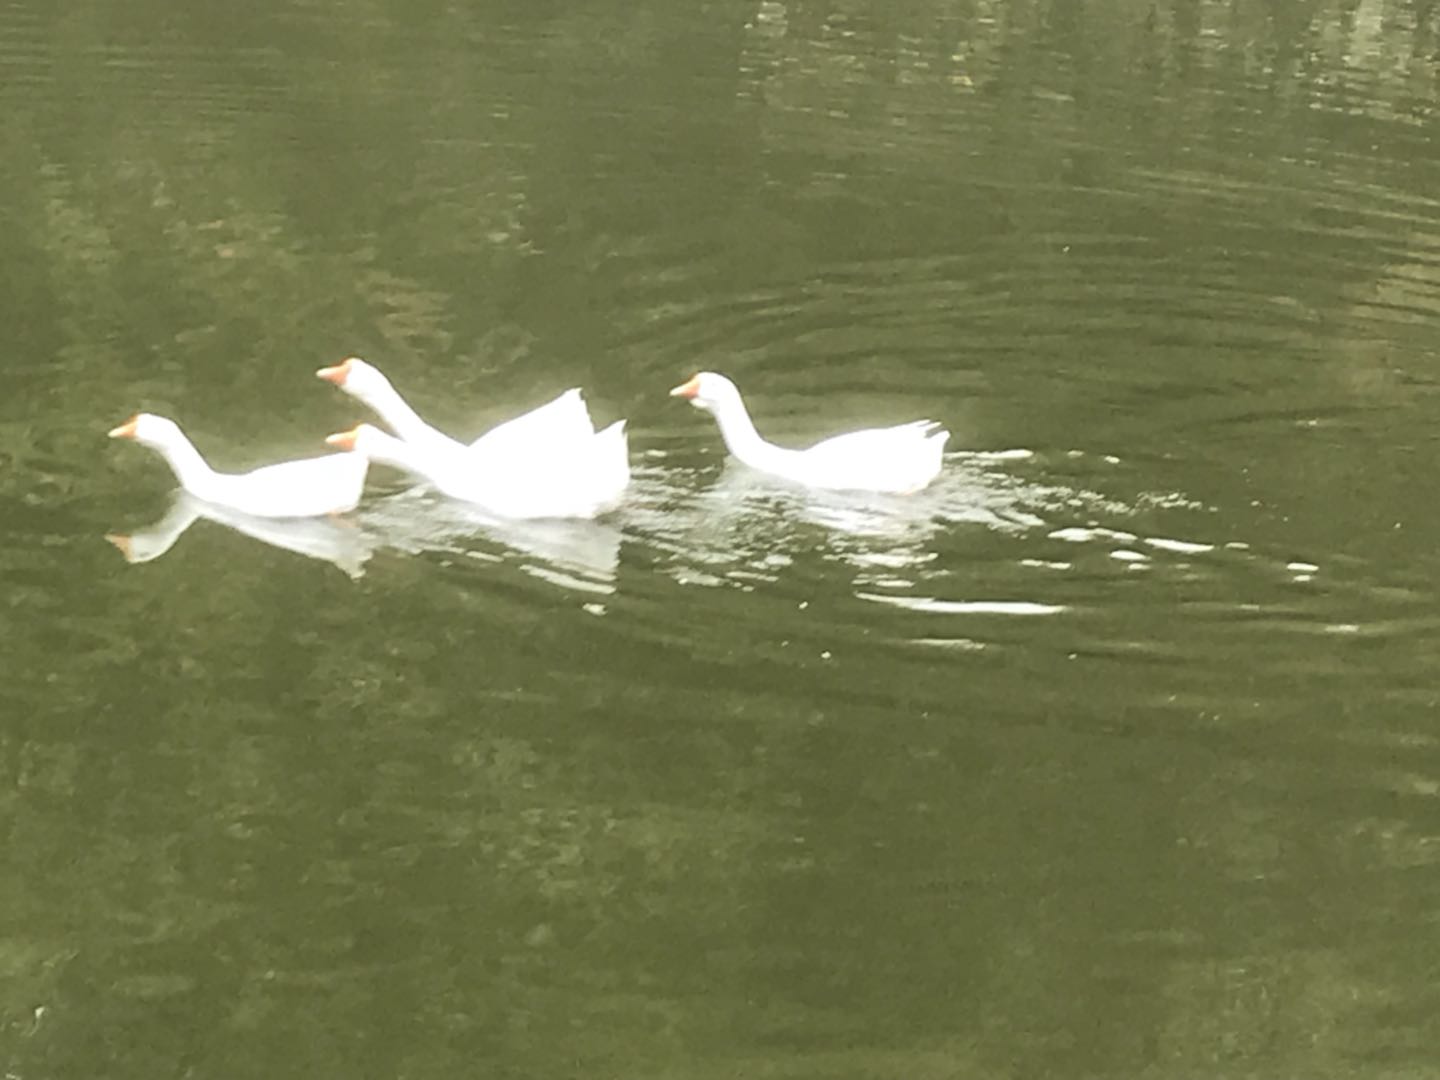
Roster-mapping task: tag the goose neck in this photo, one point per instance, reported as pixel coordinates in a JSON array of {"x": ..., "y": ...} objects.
[
  {"x": 193, "y": 472},
  {"x": 738, "y": 431},
  {"x": 396, "y": 412},
  {"x": 399, "y": 454}
]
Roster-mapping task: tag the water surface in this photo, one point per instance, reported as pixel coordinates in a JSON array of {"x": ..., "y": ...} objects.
[{"x": 1113, "y": 752}]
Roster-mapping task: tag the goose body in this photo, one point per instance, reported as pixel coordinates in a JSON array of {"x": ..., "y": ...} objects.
[
  {"x": 900, "y": 459},
  {"x": 558, "y": 423},
  {"x": 291, "y": 489},
  {"x": 537, "y": 486}
]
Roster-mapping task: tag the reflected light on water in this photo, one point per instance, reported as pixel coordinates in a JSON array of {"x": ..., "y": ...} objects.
[{"x": 932, "y": 606}]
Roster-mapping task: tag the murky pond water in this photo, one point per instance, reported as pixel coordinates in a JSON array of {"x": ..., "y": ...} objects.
[{"x": 1114, "y": 752}]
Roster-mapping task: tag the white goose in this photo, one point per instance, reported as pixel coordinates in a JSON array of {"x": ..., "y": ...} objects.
[
  {"x": 899, "y": 459},
  {"x": 305, "y": 488},
  {"x": 555, "y": 424},
  {"x": 544, "y": 486}
]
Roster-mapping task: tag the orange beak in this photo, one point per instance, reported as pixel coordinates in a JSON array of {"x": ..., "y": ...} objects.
[
  {"x": 125, "y": 430},
  {"x": 687, "y": 390},
  {"x": 121, "y": 542},
  {"x": 337, "y": 374},
  {"x": 345, "y": 440}
]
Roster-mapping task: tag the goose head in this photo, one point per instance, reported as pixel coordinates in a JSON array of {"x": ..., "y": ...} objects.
[
  {"x": 124, "y": 544},
  {"x": 360, "y": 438},
  {"x": 358, "y": 379},
  {"x": 709, "y": 391},
  {"x": 142, "y": 547},
  {"x": 147, "y": 429}
]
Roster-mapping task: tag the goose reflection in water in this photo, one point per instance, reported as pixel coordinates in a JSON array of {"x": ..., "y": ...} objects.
[
  {"x": 581, "y": 554},
  {"x": 572, "y": 552},
  {"x": 333, "y": 540},
  {"x": 747, "y": 524}
]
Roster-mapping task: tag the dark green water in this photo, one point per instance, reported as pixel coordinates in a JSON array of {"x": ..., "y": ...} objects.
[{"x": 1115, "y": 753}]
